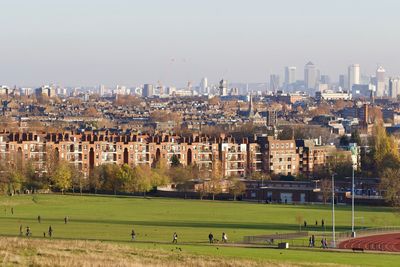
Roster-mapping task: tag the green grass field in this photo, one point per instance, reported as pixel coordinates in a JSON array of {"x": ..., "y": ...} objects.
[{"x": 110, "y": 218}]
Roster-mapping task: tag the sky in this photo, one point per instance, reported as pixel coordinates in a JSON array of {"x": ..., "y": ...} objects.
[{"x": 130, "y": 42}]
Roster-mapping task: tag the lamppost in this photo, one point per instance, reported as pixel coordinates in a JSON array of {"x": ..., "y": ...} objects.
[
  {"x": 353, "y": 234},
  {"x": 333, "y": 211},
  {"x": 354, "y": 163}
]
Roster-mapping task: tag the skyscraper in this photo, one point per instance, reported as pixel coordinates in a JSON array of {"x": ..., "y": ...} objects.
[
  {"x": 204, "y": 85},
  {"x": 380, "y": 81},
  {"x": 274, "y": 82},
  {"x": 325, "y": 79},
  {"x": 223, "y": 88},
  {"x": 102, "y": 89},
  {"x": 354, "y": 75},
  {"x": 148, "y": 90},
  {"x": 310, "y": 75},
  {"x": 343, "y": 81},
  {"x": 290, "y": 75},
  {"x": 394, "y": 87}
]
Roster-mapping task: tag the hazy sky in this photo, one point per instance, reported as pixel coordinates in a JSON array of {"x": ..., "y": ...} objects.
[{"x": 88, "y": 42}]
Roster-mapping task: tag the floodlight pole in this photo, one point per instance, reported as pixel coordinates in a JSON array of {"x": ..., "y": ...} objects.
[
  {"x": 333, "y": 212},
  {"x": 352, "y": 202}
]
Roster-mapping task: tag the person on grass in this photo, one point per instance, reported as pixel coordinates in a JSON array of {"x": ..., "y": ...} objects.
[
  {"x": 211, "y": 238},
  {"x": 175, "y": 238},
  {"x": 224, "y": 238},
  {"x": 133, "y": 234},
  {"x": 50, "y": 231}
]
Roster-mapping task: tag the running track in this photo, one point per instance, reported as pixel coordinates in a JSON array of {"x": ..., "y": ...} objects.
[{"x": 386, "y": 242}]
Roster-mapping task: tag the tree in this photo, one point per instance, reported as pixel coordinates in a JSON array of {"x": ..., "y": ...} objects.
[
  {"x": 77, "y": 179},
  {"x": 159, "y": 175},
  {"x": 390, "y": 184},
  {"x": 96, "y": 180},
  {"x": 127, "y": 176},
  {"x": 237, "y": 187},
  {"x": 62, "y": 177},
  {"x": 181, "y": 176},
  {"x": 175, "y": 162},
  {"x": 385, "y": 149},
  {"x": 143, "y": 176},
  {"x": 111, "y": 179},
  {"x": 16, "y": 180},
  {"x": 355, "y": 137},
  {"x": 326, "y": 189},
  {"x": 216, "y": 179}
]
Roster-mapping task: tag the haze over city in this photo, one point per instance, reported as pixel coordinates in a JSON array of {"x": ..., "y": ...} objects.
[{"x": 134, "y": 42}]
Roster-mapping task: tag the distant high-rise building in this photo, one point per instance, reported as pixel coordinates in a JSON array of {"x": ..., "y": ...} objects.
[
  {"x": 380, "y": 81},
  {"x": 325, "y": 79},
  {"x": 204, "y": 86},
  {"x": 274, "y": 82},
  {"x": 102, "y": 89},
  {"x": 148, "y": 90},
  {"x": 394, "y": 87},
  {"x": 353, "y": 75},
  {"x": 46, "y": 90},
  {"x": 223, "y": 88},
  {"x": 290, "y": 75},
  {"x": 343, "y": 81},
  {"x": 310, "y": 75}
]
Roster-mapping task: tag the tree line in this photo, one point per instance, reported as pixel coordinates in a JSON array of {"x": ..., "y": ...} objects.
[{"x": 63, "y": 176}]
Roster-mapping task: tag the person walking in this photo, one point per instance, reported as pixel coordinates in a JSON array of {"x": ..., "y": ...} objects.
[
  {"x": 50, "y": 231},
  {"x": 211, "y": 238},
  {"x": 305, "y": 224},
  {"x": 224, "y": 238},
  {"x": 39, "y": 219},
  {"x": 133, "y": 234},
  {"x": 28, "y": 231},
  {"x": 65, "y": 219},
  {"x": 20, "y": 230},
  {"x": 12, "y": 211},
  {"x": 175, "y": 238},
  {"x": 313, "y": 241},
  {"x": 322, "y": 223}
]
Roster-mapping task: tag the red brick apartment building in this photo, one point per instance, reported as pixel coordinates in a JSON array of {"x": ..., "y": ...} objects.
[{"x": 238, "y": 157}]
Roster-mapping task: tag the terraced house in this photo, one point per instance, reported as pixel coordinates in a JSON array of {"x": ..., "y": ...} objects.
[{"x": 238, "y": 157}]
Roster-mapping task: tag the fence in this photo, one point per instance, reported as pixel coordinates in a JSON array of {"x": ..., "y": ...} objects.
[
  {"x": 270, "y": 238},
  {"x": 367, "y": 231},
  {"x": 301, "y": 239}
]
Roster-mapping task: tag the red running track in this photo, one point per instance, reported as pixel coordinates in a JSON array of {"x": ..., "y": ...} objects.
[{"x": 386, "y": 242}]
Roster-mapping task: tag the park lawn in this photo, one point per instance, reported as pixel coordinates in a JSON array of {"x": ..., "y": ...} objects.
[
  {"x": 109, "y": 218},
  {"x": 307, "y": 257},
  {"x": 46, "y": 252},
  {"x": 156, "y": 219}
]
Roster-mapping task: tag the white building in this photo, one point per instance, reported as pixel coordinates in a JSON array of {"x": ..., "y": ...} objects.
[
  {"x": 310, "y": 75},
  {"x": 380, "y": 81},
  {"x": 204, "y": 86},
  {"x": 394, "y": 87},
  {"x": 353, "y": 75},
  {"x": 331, "y": 95},
  {"x": 290, "y": 75}
]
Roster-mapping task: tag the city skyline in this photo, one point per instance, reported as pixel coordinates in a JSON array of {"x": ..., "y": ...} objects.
[{"x": 128, "y": 42}]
